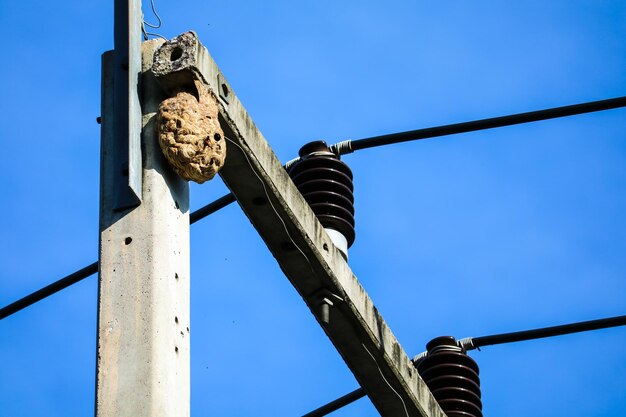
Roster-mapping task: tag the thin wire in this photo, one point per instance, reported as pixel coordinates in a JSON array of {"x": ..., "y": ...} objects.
[
  {"x": 385, "y": 379},
  {"x": 144, "y": 24},
  {"x": 146, "y": 33},
  {"x": 157, "y": 16},
  {"x": 272, "y": 204}
]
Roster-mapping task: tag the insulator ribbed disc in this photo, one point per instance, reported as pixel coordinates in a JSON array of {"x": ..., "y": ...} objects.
[
  {"x": 457, "y": 393},
  {"x": 445, "y": 357},
  {"x": 329, "y": 197},
  {"x": 449, "y": 369},
  {"x": 323, "y": 174},
  {"x": 467, "y": 407},
  {"x": 454, "y": 381},
  {"x": 460, "y": 414},
  {"x": 329, "y": 209},
  {"x": 321, "y": 161},
  {"x": 313, "y": 186}
]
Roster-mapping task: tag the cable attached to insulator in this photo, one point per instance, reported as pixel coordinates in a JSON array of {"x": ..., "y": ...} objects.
[
  {"x": 452, "y": 377},
  {"x": 470, "y": 343},
  {"x": 467, "y": 343},
  {"x": 342, "y": 148},
  {"x": 350, "y": 146},
  {"x": 326, "y": 183}
]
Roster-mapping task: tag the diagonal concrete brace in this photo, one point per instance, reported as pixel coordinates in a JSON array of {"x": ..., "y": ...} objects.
[{"x": 299, "y": 243}]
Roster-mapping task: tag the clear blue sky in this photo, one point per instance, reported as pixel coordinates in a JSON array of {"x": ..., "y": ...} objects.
[{"x": 470, "y": 235}]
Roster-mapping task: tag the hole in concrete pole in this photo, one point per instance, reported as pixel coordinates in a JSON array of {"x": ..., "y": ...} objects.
[
  {"x": 176, "y": 275},
  {"x": 128, "y": 240},
  {"x": 176, "y": 349},
  {"x": 177, "y": 52},
  {"x": 176, "y": 320}
]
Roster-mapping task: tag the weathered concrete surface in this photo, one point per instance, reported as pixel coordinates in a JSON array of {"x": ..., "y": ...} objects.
[
  {"x": 143, "y": 309},
  {"x": 306, "y": 254}
]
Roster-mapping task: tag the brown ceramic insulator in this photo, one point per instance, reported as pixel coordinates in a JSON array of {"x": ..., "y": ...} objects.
[
  {"x": 326, "y": 184},
  {"x": 452, "y": 377}
]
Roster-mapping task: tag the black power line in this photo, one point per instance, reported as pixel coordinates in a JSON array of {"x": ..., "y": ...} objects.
[
  {"x": 47, "y": 291},
  {"x": 351, "y": 146},
  {"x": 211, "y": 208},
  {"x": 357, "y": 394},
  {"x": 491, "y": 123},
  {"x": 496, "y": 339},
  {"x": 583, "y": 326},
  {"x": 91, "y": 269}
]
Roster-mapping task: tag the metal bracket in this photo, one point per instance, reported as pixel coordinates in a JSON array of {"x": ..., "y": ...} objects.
[{"x": 323, "y": 300}]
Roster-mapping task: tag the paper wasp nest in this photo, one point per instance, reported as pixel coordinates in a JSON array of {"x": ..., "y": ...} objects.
[{"x": 190, "y": 135}]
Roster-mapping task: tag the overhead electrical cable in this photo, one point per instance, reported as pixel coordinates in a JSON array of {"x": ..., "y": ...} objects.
[
  {"x": 471, "y": 343},
  {"x": 346, "y": 147},
  {"x": 484, "y": 124},
  {"x": 91, "y": 269},
  {"x": 335, "y": 405},
  {"x": 350, "y": 146},
  {"x": 48, "y": 290},
  {"x": 583, "y": 326},
  {"x": 211, "y": 208}
]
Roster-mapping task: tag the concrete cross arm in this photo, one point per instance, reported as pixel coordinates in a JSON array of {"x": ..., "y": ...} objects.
[{"x": 299, "y": 243}]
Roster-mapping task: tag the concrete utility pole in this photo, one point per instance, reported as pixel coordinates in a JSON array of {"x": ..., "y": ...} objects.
[
  {"x": 143, "y": 309},
  {"x": 303, "y": 249}
]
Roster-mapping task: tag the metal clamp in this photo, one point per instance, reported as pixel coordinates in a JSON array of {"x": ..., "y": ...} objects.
[{"x": 322, "y": 300}]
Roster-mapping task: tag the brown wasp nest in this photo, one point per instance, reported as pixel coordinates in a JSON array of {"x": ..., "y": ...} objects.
[{"x": 190, "y": 135}]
